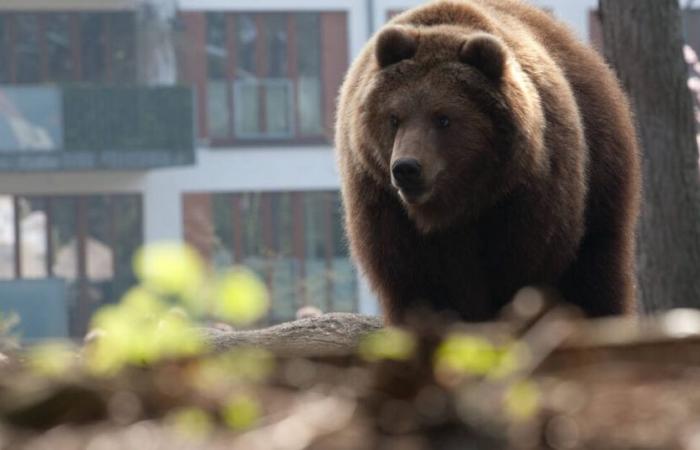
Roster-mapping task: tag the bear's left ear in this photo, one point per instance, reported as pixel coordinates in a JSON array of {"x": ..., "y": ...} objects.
[{"x": 486, "y": 53}]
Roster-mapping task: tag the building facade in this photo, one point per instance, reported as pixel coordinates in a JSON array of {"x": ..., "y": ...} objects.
[{"x": 124, "y": 122}]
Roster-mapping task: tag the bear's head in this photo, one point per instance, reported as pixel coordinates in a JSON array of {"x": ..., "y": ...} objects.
[{"x": 451, "y": 122}]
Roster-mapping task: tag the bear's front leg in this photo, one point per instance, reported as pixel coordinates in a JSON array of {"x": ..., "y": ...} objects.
[{"x": 601, "y": 280}]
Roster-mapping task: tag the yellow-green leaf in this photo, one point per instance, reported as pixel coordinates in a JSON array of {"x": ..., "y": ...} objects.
[
  {"x": 52, "y": 359},
  {"x": 191, "y": 422},
  {"x": 170, "y": 268},
  {"x": 241, "y": 412},
  {"x": 240, "y": 297},
  {"x": 522, "y": 400},
  {"x": 388, "y": 344},
  {"x": 468, "y": 355}
]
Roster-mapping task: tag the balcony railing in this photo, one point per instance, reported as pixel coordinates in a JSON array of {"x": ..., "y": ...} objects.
[{"x": 45, "y": 128}]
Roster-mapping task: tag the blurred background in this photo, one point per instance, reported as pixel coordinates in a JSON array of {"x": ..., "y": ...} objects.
[{"x": 125, "y": 122}]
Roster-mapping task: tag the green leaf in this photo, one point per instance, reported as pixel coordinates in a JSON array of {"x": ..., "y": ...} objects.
[
  {"x": 522, "y": 400},
  {"x": 170, "y": 269},
  {"x": 387, "y": 344},
  {"x": 240, "y": 297},
  {"x": 52, "y": 359},
  {"x": 242, "y": 412}
]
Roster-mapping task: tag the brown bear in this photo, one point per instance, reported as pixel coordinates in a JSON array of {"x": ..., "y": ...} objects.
[{"x": 482, "y": 149}]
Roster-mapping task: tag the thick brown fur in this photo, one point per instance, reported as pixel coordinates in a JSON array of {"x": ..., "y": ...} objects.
[{"x": 533, "y": 180}]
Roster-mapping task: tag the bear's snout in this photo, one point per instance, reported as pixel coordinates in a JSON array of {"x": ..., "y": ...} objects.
[
  {"x": 407, "y": 173},
  {"x": 408, "y": 176}
]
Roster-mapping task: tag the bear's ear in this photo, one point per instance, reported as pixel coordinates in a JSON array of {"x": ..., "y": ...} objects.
[
  {"x": 486, "y": 53},
  {"x": 395, "y": 44}
]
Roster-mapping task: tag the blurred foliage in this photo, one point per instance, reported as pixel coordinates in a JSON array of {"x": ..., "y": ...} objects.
[
  {"x": 387, "y": 344},
  {"x": 8, "y": 341},
  {"x": 52, "y": 359},
  {"x": 522, "y": 400},
  {"x": 464, "y": 354},
  {"x": 240, "y": 297},
  {"x": 242, "y": 412},
  {"x": 170, "y": 269},
  {"x": 150, "y": 356},
  {"x": 190, "y": 422}
]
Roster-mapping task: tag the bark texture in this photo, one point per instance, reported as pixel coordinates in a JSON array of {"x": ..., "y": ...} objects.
[
  {"x": 335, "y": 334},
  {"x": 643, "y": 43}
]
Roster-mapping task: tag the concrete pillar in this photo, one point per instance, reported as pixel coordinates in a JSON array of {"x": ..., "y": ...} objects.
[{"x": 162, "y": 209}]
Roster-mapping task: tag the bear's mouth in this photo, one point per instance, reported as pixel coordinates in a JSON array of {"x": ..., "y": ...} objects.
[{"x": 414, "y": 196}]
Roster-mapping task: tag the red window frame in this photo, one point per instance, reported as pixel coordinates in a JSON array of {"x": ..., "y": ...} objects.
[
  {"x": 9, "y": 30},
  {"x": 334, "y": 63},
  {"x": 200, "y": 233}
]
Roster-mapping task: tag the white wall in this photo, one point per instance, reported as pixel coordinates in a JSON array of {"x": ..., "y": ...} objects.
[
  {"x": 233, "y": 170},
  {"x": 356, "y": 9},
  {"x": 573, "y": 12}
]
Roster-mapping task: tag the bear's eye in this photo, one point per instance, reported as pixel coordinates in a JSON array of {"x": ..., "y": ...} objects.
[
  {"x": 394, "y": 121},
  {"x": 443, "y": 122}
]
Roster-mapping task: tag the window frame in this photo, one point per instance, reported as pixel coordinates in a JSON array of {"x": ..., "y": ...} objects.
[
  {"x": 263, "y": 139},
  {"x": 9, "y": 21}
]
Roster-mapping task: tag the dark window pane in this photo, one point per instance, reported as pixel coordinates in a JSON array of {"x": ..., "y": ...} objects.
[
  {"x": 217, "y": 53},
  {"x": 276, "y": 31},
  {"x": 247, "y": 88},
  {"x": 64, "y": 239},
  {"x": 278, "y": 107},
  {"x": 309, "y": 86},
  {"x": 123, "y": 228},
  {"x": 26, "y": 44},
  {"x": 92, "y": 43},
  {"x": 308, "y": 43},
  {"x": 58, "y": 47},
  {"x": 222, "y": 210},
  {"x": 98, "y": 242},
  {"x": 282, "y": 223},
  {"x": 314, "y": 230},
  {"x": 343, "y": 274},
  {"x": 314, "y": 224},
  {"x": 218, "y": 88},
  {"x": 247, "y": 108},
  {"x": 246, "y": 39},
  {"x": 127, "y": 217},
  {"x": 122, "y": 34},
  {"x": 218, "y": 109},
  {"x": 4, "y": 49}
]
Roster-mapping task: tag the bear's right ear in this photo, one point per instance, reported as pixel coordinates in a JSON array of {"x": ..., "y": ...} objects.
[{"x": 395, "y": 44}]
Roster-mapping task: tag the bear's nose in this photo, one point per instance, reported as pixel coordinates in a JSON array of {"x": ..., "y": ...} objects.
[{"x": 407, "y": 173}]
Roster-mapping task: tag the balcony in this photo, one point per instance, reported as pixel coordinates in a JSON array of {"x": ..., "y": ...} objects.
[{"x": 50, "y": 128}]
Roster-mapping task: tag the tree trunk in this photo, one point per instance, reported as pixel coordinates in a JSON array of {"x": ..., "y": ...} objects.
[{"x": 643, "y": 43}]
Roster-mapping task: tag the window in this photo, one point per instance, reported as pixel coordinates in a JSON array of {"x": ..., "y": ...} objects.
[
  {"x": 88, "y": 241},
  {"x": 264, "y": 77},
  {"x": 31, "y": 118},
  {"x": 95, "y": 47},
  {"x": 293, "y": 240},
  {"x": 61, "y": 66}
]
